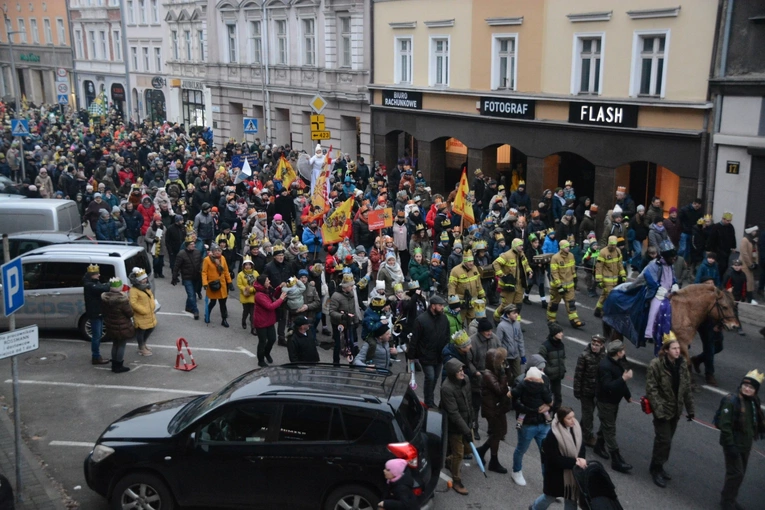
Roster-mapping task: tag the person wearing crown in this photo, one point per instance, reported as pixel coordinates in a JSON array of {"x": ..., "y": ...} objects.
[
  {"x": 668, "y": 389},
  {"x": 142, "y": 301},
  {"x": 93, "y": 289},
  {"x": 317, "y": 164},
  {"x": 741, "y": 421},
  {"x": 118, "y": 319}
]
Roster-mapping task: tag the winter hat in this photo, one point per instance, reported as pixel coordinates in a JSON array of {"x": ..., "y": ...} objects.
[
  {"x": 537, "y": 361},
  {"x": 672, "y": 209},
  {"x": 104, "y": 213},
  {"x": 534, "y": 373},
  {"x": 641, "y": 208},
  {"x": 751, "y": 230},
  {"x": 484, "y": 325},
  {"x": 615, "y": 346},
  {"x": 277, "y": 217},
  {"x": 381, "y": 330},
  {"x": 564, "y": 244},
  {"x": 396, "y": 468},
  {"x": 554, "y": 328}
]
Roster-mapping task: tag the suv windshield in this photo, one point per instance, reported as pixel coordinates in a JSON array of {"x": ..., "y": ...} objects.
[{"x": 409, "y": 415}]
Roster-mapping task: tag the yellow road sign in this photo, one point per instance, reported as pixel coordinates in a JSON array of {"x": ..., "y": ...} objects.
[
  {"x": 317, "y": 123},
  {"x": 320, "y": 135}
]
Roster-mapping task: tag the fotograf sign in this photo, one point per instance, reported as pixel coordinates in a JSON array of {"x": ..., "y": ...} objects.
[
  {"x": 405, "y": 99},
  {"x": 508, "y": 108},
  {"x": 603, "y": 114}
]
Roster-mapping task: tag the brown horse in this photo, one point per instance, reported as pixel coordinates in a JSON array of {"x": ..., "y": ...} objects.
[{"x": 691, "y": 306}]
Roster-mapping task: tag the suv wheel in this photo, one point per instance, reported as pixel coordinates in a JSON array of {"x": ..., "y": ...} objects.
[
  {"x": 141, "y": 490},
  {"x": 85, "y": 330},
  {"x": 352, "y": 497}
]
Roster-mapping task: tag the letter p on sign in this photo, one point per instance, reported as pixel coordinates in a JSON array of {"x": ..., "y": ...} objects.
[{"x": 13, "y": 287}]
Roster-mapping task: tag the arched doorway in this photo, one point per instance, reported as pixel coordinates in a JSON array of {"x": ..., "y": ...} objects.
[
  {"x": 511, "y": 166},
  {"x": 646, "y": 179},
  {"x": 155, "y": 105},
  {"x": 456, "y": 160},
  {"x": 568, "y": 166}
]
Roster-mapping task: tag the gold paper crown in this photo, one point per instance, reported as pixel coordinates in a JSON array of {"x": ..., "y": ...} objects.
[
  {"x": 467, "y": 256},
  {"x": 302, "y": 249},
  {"x": 398, "y": 287},
  {"x": 479, "y": 307},
  {"x": 138, "y": 273},
  {"x": 707, "y": 217},
  {"x": 568, "y": 183},
  {"x": 93, "y": 268},
  {"x": 189, "y": 227},
  {"x": 479, "y": 245},
  {"x": 756, "y": 375},
  {"x": 347, "y": 279},
  {"x": 293, "y": 281},
  {"x": 668, "y": 337},
  {"x": 189, "y": 238},
  {"x": 378, "y": 301},
  {"x": 460, "y": 338},
  {"x": 246, "y": 260}
]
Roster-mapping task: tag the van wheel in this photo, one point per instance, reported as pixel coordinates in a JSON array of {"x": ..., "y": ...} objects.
[
  {"x": 352, "y": 497},
  {"x": 141, "y": 490},
  {"x": 85, "y": 330}
]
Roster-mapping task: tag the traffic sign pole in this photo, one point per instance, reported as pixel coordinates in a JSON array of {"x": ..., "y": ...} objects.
[{"x": 16, "y": 399}]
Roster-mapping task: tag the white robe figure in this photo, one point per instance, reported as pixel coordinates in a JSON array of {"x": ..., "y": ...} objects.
[{"x": 317, "y": 164}]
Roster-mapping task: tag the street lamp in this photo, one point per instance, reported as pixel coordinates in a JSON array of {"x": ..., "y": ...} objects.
[{"x": 16, "y": 84}]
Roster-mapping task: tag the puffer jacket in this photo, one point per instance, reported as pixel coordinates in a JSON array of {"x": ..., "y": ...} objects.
[
  {"x": 264, "y": 315},
  {"x": 466, "y": 358},
  {"x": 554, "y": 352},
  {"x": 244, "y": 282},
  {"x": 480, "y": 345},
  {"x": 188, "y": 264},
  {"x": 142, "y": 302},
  {"x": 456, "y": 401},
  {"x": 667, "y": 405},
  {"x": 93, "y": 290},
  {"x": 528, "y": 396},
  {"x": 340, "y": 305},
  {"x": 586, "y": 373},
  {"x": 117, "y": 314},
  {"x": 511, "y": 336},
  {"x": 312, "y": 300},
  {"x": 380, "y": 359},
  {"x": 494, "y": 399}
]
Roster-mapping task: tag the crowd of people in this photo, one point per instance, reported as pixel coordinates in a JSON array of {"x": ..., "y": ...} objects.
[{"x": 418, "y": 288}]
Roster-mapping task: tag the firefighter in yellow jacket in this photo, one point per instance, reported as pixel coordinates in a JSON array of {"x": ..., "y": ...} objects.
[
  {"x": 609, "y": 271},
  {"x": 563, "y": 272},
  {"x": 514, "y": 272},
  {"x": 465, "y": 282}
]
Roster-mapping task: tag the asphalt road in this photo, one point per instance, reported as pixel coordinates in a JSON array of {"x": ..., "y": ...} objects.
[{"x": 67, "y": 403}]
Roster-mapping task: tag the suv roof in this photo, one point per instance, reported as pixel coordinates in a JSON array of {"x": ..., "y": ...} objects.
[
  {"x": 325, "y": 380},
  {"x": 86, "y": 249},
  {"x": 54, "y": 236}
]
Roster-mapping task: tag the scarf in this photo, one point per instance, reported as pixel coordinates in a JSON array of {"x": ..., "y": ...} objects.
[
  {"x": 395, "y": 272},
  {"x": 569, "y": 445}
]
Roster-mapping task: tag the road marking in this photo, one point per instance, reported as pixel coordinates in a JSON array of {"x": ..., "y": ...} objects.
[
  {"x": 139, "y": 365},
  {"x": 180, "y": 314},
  {"x": 71, "y": 443},
  {"x": 580, "y": 305},
  {"x": 445, "y": 477},
  {"x": 108, "y": 387},
  {"x": 248, "y": 353},
  {"x": 238, "y": 350}
]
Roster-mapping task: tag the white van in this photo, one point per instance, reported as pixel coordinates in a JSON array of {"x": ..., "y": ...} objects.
[
  {"x": 53, "y": 288},
  {"x": 22, "y": 215}
]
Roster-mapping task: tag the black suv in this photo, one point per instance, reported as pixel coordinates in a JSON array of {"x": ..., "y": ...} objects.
[{"x": 295, "y": 436}]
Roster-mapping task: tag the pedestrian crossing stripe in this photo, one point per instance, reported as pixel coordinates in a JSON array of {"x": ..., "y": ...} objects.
[{"x": 19, "y": 127}]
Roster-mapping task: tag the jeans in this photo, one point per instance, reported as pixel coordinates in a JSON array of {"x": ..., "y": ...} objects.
[
  {"x": 526, "y": 434},
  {"x": 118, "y": 350},
  {"x": 432, "y": 373},
  {"x": 97, "y": 331},
  {"x": 191, "y": 298},
  {"x": 159, "y": 263},
  {"x": 637, "y": 248},
  {"x": 683, "y": 250},
  {"x": 544, "y": 501}
]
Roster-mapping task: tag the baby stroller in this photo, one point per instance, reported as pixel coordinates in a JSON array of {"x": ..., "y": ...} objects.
[{"x": 596, "y": 491}]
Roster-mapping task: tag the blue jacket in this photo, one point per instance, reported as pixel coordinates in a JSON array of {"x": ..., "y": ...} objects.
[
  {"x": 550, "y": 245},
  {"x": 311, "y": 240},
  {"x": 498, "y": 250},
  {"x": 708, "y": 270},
  {"x": 106, "y": 230},
  {"x": 370, "y": 322},
  {"x": 557, "y": 208}
]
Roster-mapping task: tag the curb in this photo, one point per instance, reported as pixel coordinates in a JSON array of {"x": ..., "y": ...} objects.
[{"x": 52, "y": 496}]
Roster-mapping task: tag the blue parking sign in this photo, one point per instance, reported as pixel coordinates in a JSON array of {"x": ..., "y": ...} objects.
[{"x": 13, "y": 286}]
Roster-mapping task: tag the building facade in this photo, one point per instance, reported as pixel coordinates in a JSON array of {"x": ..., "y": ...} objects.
[
  {"x": 189, "y": 100},
  {"x": 41, "y": 47},
  {"x": 145, "y": 35},
  {"x": 548, "y": 91},
  {"x": 268, "y": 59},
  {"x": 737, "y": 172},
  {"x": 99, "y": 52}
]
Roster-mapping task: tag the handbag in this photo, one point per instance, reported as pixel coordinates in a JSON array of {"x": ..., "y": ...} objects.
[
  {"x": 214, "y": 285},
  {"x": 645, "y": 405}
]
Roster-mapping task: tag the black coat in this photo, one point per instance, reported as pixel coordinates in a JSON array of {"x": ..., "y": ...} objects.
[
  {"x": 611, "y": 387},
  {"x": 93, "y": 290},
  {"x": 555, "y": 464},
  {"x": 188, "y": 264},
  {"x": 302, "y": 348},
  {"x": 400, "y": 495},
  {"x": 429, "y": 337},
  {"x": 279, "y": 273}
]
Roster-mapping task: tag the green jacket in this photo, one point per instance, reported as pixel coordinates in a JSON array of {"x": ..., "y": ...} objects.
[
  {"x": 456, "y": 399},
  {"x": 554, "y": 353},
  {"x": 658, "y": 388},
  {"x": 455, "y": 322},
  {"x": 420, "y": 273},
  {"x": 738, "y": 429}
]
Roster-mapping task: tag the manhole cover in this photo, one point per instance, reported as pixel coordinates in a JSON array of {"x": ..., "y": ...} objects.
[{"x": 46, "y": 359}]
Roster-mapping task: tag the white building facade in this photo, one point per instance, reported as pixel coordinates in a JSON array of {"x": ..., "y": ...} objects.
[
  {"x": 189, "y": 99},
  {"x": 146, "y": 58},
  {"x": 269, "y": 59}
]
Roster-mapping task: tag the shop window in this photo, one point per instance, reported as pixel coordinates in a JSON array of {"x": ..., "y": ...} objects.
[
  {"x": 309, "y": 42},
  {"x": 345, "y": 41},
  {"x": 504, "y": 62},
  {"x": 649, "y": 64},
  {"x": 439, "y": 61},
  {"x": 281, "y": 41},
  {"x": 588, "y": 65},
  {"x": 403, "y": 68},
  {"x": 256, "y": 42},
  {"x": 193, "y": 106}
]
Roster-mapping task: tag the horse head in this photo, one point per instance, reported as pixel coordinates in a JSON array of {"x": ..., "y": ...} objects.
[{"x": 724, "y": 310}]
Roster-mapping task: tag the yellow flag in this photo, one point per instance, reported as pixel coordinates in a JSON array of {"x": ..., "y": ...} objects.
[
  {"x": 462, "y": 205},
  {"x": 285, "y": 173},
  {"x": 338, "y": 225},
  {"x": 320, "y": 195}
]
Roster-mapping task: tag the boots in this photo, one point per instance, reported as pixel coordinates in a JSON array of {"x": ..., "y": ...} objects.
[
  {"x": 696, "y": 362},
  {"x": 495, "y": 466},
  {"x": 658, "y": 478},
  {"x": 618, "y": 463},
  {"x": 224, "y": 323},
  {"x": 118, "y": 367},
  {"x": 591, "y": 441},
  {"x": 600, "y": 448},
  {"x": 710, "y": 379},
  {"x": 598, "y": 313},
  {"x": 459, "y": 488},
  {"x": 476, "y": 435},
  {"x": 482, "y": 451}
]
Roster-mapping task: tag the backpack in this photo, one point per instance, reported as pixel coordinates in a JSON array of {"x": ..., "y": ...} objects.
[{"x": 729, "y": 398}]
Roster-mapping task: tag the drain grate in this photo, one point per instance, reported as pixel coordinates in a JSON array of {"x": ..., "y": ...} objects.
[{"x": 46, "y": 359}]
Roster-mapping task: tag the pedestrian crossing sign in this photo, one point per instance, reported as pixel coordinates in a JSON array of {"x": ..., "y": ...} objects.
[
  {"x": 250, "y": 125},
  {"x": 19, "y": 127}
]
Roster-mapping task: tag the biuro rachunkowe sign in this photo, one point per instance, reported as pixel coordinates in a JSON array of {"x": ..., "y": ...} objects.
[
  {"x": 405, "y": 99},
  {"x": 603, "y": 114}
]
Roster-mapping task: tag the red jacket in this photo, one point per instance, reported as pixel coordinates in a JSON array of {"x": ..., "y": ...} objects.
[
  {"x": 264, "y": 315},
  {"x": 148, "y": 217}
]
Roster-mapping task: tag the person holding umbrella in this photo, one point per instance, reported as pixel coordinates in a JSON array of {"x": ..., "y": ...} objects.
[{"x": 456, "y": 403}]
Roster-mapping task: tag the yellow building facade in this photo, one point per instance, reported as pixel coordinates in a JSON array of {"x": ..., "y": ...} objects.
[{"x": 600, "y": 93}]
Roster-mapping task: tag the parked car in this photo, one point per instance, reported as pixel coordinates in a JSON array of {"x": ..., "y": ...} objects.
[
  {"x": 23, "y": 242},
  {"x": 9, "y": 188},
  {"x": 294, "y": 436},
  {"x": 53, "y": 291},
  {"x": 22, "y": 215}
]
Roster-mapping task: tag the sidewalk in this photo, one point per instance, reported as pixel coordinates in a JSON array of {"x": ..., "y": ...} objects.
[{"x": 39, "y": 492}]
